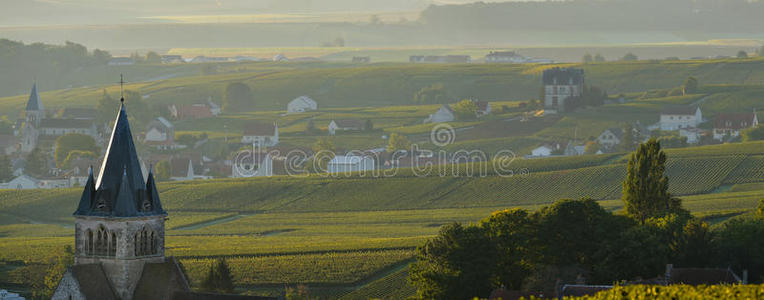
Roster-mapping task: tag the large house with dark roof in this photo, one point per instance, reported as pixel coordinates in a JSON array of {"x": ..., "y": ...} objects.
[
  {"x": 119, "y": 237},
  {"x": 730, "y": 124},
  {"x": 562, "y": 86}
]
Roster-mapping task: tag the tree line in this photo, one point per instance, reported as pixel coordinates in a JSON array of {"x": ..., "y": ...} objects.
[{"x": 572, "y": 240}]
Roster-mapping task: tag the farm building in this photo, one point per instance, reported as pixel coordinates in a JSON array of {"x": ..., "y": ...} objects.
[
  {"x": 253, "y": 165},
  {"x": 301, "y": 104},
  {"x": 730, "y": 124},
  {"x": 345, "y": 125},
  {"x": 350, "y": 163},
  {"x": 504, "y": 57},
  {"x": 262, "y": 134},
  {"x": 160, "y": 133},
  {"x": 443, "y": 114},
  {"x": 193, "y": 111},
  {"x": 677, "y": 117},
  {"x": 21, "y": 182},
  {"x": 610, "y": 138}
]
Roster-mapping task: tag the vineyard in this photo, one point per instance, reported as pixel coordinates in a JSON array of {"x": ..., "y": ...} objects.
[
  {"x": 678, "y": 292},
  {"x": 352, "y": 236}
]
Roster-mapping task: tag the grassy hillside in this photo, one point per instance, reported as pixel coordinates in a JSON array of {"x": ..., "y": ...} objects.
[{"x": 343, "y": 84}]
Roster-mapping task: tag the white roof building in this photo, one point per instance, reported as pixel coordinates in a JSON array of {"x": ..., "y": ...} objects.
[
  {"x": 302, "y": 104},
  {"x": 350, "y": 163}
]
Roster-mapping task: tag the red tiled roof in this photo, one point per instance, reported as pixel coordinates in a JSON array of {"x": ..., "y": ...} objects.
[
  {"x": 734, "y": 120},
  {"x": 196, "y": 111}
]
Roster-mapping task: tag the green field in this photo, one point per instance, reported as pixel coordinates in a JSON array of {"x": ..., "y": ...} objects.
[{"x": 352, "y": 237}]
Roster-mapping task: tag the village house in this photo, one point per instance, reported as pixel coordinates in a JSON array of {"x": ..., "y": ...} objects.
[
  {"x": 21, "y": 182},
  {"x": 121, "y": 61},
  {"x": 59, "y": 127},
  {"x": 193, "y": 111},
  {"x": 504, "y": 57},
  {"x": 280, "y": 58},
  {"x": 610, "y": 138},
  {"x": 730, "y": 124},
  {"x": 301, "y": 104},
  {"x": 350, "y": 163},
  {"x": 345, "y": 125},
  {"x": 361, "y": 59},
  {"x": 545, "y": 150},
  {"x": 562, "y": 86},
  {"x": 262, "y": 134},
  {"x": 483, "y": 107},
  {"x": 257, "y": 164},
  {"x": 451, "y": 59},
  {"x": 172, "y": 59},
  {"x": 160, "y": 133},
  {"x": 675, "y": 117},
  {"x": 444, "y": 114}
]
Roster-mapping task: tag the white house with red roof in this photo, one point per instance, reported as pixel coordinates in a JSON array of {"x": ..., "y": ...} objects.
[{"x": 730, "y": 124}]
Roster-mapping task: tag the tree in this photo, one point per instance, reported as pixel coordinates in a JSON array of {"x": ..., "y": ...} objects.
[
  {"x": 761, "y": 51},
  {"x": 397, "y": 142},
  {"x": 629, "y": 57},
  {"x": 591, "y": 147},
  {"x": 153, "y": 58},
  {"x": 237, "y": 98},
  {"x": 753, "y": 134},
  {"x": 673, "y": 141},
  {"x": 742, "y": 54},
  {"x": 645, "y": 189},
  {"x": 106, "y": 108},
  {"x": 6, "y": 168},
  {"x": 218, "y": 277},
  {"x": 36, "y": 163},
  {"x": 433, "y": 94},
  {"x": 78, "y": 154},
  {"x": 466, "y": 110},
  {"x": 511, "y": 232},
  {"x": 163, "y": 170},
  {"x": 6, "y": 127},
  {"x": 599, "y": 58},
  {"x": 369, "y": 125},
  {"x": 456, "y": 264},
  {"x": 690, "y": 85},
  {"x": 375, "y": 20},
  {"x": 587, "y": 58},
  {"x": 739, "y": 242},
  {"x": 629, "y": 140},
  {"x": 73, "y": 142},
  {"x": 760, "y": 209}
]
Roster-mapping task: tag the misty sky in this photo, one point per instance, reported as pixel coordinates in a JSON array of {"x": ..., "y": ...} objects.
[{"x": 81, "y": 12}]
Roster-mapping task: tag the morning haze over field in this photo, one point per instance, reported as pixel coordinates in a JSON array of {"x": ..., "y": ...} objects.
[{"x": 401, "y": 149}]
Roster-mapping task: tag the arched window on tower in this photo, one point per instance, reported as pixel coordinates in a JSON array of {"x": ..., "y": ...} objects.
[
  {"x": 153, "y": 243},
  {"x": 113, "y": 247},
  {"x": 88, "y": 247},
  {"x": 136, "y": 241}
]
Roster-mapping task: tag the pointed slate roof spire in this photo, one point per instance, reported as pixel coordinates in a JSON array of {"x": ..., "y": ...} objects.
[
  {"x": 34, "y": 103},
  {"x": 86, "y": 201},
  {"x": 125, "y": 203},
  {"x": 120, "y": 189},
  {"x": 120, "y": 158},
  {"x": 153, "y": 194}
]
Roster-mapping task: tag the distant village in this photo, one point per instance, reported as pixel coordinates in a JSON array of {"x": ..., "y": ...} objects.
[
  {"x": 35, "y": 134},
  {"x": 513, "y": 57}
]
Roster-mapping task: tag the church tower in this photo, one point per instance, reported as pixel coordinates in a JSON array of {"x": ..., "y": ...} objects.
[
  {"x": 33, "y": 114},
  {"x": 119, "y": 222}
]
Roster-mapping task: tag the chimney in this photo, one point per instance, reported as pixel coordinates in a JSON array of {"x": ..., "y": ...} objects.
[{"x": 669, "y": 267}]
